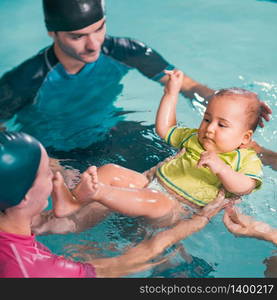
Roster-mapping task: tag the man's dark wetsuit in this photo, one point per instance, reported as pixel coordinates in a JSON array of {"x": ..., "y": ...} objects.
[{"x": 68, "y": 111}]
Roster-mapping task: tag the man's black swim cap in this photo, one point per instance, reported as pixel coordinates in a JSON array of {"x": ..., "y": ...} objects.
[
  {"x": 71, "y": 15},
  {"x": 20, "y": 156}
]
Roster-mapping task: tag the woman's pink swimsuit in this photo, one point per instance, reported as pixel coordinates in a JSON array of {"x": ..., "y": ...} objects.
[{"x": 23, "y": 256}]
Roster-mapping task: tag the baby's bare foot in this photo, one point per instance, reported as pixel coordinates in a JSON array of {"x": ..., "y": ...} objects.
[
  {"x": 64, "y": 203},
  {"x": 88, "y": 188}
]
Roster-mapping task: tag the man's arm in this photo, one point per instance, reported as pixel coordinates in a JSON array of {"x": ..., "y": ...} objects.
[
  {"x": 150, "y": 63},
  {"x": 267, "y": 156},
  {"x": 245, "y": 226},
  {"x": 19, "y": 86}
]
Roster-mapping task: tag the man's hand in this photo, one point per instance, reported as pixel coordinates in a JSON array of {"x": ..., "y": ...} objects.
[
  {"x": 242, "y": 225},
  {"x": 265, "y": 113},
  {"x": 254, "y": 145}
]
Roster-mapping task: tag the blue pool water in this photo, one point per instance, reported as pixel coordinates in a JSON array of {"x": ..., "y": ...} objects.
[{"x": 221, "y": 43}]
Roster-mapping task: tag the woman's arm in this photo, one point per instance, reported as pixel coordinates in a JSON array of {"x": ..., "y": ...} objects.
[
  {"x": 87, "y": 216},
  {"x": 137, "y": 259}
]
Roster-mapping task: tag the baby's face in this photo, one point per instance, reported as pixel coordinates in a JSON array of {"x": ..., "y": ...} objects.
[{"x": 223, "y": 127}]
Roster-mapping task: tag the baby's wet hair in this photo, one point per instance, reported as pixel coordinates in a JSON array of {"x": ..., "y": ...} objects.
[{"x": 253, "y": 109}]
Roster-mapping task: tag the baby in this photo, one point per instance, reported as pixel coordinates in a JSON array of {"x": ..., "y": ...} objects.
[{"x": 213, "y": 159}]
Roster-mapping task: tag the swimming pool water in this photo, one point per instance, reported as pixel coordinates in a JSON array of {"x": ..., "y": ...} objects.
[{"x": 221, "y": 43}]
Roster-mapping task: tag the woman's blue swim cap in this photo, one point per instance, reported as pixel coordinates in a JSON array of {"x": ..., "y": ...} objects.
[
  {"x": 71, "y": 15},
  {"x": 20, "y": 156}
]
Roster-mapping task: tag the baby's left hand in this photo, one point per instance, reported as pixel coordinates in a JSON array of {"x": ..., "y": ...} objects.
[{"x": 211, "y": 160}]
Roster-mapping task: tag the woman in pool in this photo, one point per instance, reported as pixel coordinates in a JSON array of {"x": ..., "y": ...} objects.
[{"x": 24, "y": 195}]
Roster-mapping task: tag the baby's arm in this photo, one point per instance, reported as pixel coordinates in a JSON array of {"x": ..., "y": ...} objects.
[
  {"x": 234, "y": 182},
  {"x": 166, "y": 114}
]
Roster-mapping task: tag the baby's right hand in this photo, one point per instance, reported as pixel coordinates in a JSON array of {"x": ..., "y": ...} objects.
[{"x": 174, "y": 82}]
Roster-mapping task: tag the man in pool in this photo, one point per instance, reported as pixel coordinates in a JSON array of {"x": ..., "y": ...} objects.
[
  {"x": 25, "y": 185},
  {"x": 63, "y": 95}
]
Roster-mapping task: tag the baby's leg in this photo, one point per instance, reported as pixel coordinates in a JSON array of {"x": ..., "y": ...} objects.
[
  {"x": 115, "y": 175},
  {"x": 130, "y": 201},
  {"x": 109, "y": 174},
  {"x": 66, "y": 203}
]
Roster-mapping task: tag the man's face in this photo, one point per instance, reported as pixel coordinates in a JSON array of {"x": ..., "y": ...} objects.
[{"x": 83, "y": 45}]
